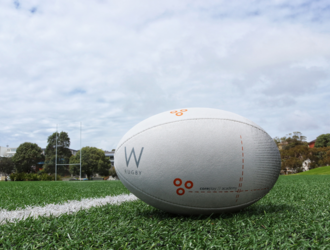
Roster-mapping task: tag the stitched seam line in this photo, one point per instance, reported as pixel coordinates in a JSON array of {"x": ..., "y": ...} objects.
[
  {"x": 172, "y": 203},
  {"x": 121, "y": 176},
  {"x": 188, "y": 120}
]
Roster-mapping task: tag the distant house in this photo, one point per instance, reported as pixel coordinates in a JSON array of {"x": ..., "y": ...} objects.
[
  {"x": 7, "y": 152},
  {"x": 110, "y": 154},
  {"x": 282, "y": 145},
  {"x": 73, "y": 151},
  {"x": 287, "y": 171},
  {"x": 311, "y": 144}
]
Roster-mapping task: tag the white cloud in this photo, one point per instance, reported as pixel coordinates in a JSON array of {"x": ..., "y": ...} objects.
[{"x": 113, "y": 64}]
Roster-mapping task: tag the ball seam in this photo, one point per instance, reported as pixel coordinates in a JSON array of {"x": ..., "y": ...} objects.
[
  {"x": 172, "y": 203},
  {"x": 121, "y": 176},
  {"x": 184, "y": 121}
]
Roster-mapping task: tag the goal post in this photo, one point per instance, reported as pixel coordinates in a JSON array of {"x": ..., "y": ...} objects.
[{"x": 67, "y": 164}]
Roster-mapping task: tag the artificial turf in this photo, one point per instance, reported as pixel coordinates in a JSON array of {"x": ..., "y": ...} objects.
[
  {"x": 317, "y": 171},
  {"x": 20, "y": 194},
  {"x": 294, "y": 215}
]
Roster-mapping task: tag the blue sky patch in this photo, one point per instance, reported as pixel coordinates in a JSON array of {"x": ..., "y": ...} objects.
[
  {"x": 17, "y": 4},
  {"x": 77, "y": 92},
  {"x": 33, "y": 10}
]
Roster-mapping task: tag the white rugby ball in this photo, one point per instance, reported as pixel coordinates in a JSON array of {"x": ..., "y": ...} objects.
[{"x": 198, "y": 161}]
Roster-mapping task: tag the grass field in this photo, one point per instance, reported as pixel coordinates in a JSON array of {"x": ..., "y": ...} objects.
[
  {"x": 317, "y": 171},
  {"x": 20, "y": 194},
  {"x": 294, "y": 215}
]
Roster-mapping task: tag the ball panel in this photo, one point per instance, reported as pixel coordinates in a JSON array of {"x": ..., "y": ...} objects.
[
  {"x": 177, "y": 208},
  {"x": 190, "y": 113},
  {"x": 180, "y": 209},
  {"x": 214, "y": 165},
  {"x": 266, "y": 176}
]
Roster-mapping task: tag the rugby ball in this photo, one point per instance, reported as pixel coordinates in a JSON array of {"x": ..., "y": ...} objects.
[{"x": 198, "y": 161}]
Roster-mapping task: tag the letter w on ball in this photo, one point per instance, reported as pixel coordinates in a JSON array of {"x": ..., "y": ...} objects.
[{"x": 137, "y": 162}]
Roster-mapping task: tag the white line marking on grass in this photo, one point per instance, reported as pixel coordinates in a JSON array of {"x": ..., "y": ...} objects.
[{"x": 59, "y": 209}]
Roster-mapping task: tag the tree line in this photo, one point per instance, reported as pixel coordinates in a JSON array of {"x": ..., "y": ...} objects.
[
  {"x": 29, "y": 156},
  {"x": 294, "y": 151}
]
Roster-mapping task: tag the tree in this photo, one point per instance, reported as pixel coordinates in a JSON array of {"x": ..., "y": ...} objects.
[
  {"x": 294, "y": 157},
  {"x": 325, "y": 161},
  {"x": 295, "y": 151},
  {"x": 6, "y": 165},
  {"x": 92, "y": 161},
  {"x": 63, "y": 152},
  {"x": 27, "y": 157},
  {"x": 323, "y": 141},
  {"x": 291, "y": 140},
  {"x": 298, "y": 136},
  {"x": 112, "y": 172},
  {"x": 277, "y": 140},
  {"x": 319, "y": 156}
]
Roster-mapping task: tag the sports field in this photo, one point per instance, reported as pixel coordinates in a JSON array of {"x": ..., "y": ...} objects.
[
  {"x": 20, "y": 194},
  {"x": 294, "y": 215},
  {"x": 317, "y": 171}
]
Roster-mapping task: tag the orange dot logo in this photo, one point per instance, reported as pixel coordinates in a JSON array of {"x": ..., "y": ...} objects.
[
  {"x": 178, "y": 182},
  {"x": 180, "y": 191},
  {"x": 179, "y": 113},
  {"x": 189, "y": 184}
]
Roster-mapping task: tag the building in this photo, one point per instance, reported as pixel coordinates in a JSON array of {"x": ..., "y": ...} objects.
[
  {"x": 73, "y": 151},
  {"x": 110, "y": 154},
  {"x": 287, "y": 171},
  {"x": 311, "y": 144},
  {"x": 281, "y": 145},
  {"x": 7, "y": 151}
]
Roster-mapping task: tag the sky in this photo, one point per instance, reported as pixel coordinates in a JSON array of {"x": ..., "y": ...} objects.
[{"x": 112, "y": 64}]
